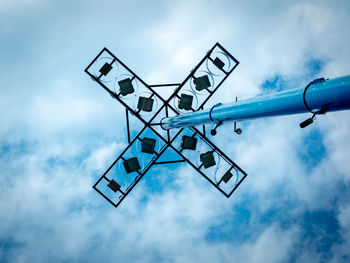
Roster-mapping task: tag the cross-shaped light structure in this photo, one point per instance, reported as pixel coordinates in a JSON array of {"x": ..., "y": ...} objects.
[{"x": 142, "y": 101}]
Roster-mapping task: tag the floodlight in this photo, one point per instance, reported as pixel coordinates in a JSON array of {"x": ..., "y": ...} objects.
[
  {"x": 147, "y": 145},
  {"x": 126, "y": 86},
  {"x": 185, "y": 102},
  {"x": 131, "y": 165},
  {"x": 188, "y": 142},
  {"x": 184, "y": 142},
  {"x": 145, "y": 104},
  {"x": 227, "y": 176},
  {"x": 113, "y": 185},
  {"x": 202, "y": 82},
  {"x": 207, "y": 159},
  {"x": 307, "y": 122},
  {"x": 105, "y": 69},
  {"x": 217, "y": 62}
]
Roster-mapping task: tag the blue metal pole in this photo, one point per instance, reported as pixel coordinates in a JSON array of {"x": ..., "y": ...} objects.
[{"x": 318, "y": 97}]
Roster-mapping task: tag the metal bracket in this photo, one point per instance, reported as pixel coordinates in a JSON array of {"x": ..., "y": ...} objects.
[
  {"x": 320, "y": 80},
  {"x": 235, "y": 129},
  {"x": 309, "y": 121},
  {"x": 213, "y": 131},
  {"x": 211, "y": 109}
]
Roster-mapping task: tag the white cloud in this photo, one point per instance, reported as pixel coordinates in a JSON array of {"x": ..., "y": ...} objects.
[
  {"x": 71, "y": 131},
  {"x": 13, "y": 4},
  {"x": 104, "y": 156},
  {"x": 341, "y": 250},
  {"x": 274, "y": 245},
  {"x": 337, "y": 142}
]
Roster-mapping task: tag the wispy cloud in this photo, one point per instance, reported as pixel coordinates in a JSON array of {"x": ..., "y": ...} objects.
[{"x": 59, "y": 131}]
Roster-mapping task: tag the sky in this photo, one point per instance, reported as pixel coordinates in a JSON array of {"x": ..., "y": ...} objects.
[{"x": 59, "y": 132}]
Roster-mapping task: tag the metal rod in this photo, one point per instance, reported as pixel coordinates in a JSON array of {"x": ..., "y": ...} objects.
[
  {"x": 167, "y": 162},
  {"x": 164, "y": 85},
  {"x": 319, "y": 96},
  {"x": 127, "y": 124}
]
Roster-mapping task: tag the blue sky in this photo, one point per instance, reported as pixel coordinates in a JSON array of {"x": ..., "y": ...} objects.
[{"x": 59, "y": 131}]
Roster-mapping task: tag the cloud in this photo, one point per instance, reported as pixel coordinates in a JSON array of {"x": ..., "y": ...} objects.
[
  {"x": 10, "y": 5},
  {"x": 59, "y": 131},
  {"x": 274, "y": 239}
]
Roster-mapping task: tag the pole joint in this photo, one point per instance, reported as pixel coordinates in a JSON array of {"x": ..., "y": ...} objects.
[{"x": 211, "y": 118}]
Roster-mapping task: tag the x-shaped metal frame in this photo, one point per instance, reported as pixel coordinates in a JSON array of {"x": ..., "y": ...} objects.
[{"x": 122, "y": 181}]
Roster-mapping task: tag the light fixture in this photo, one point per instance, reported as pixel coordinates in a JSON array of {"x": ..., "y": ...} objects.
[
  {"x": 105, "y": 69},
  {"x": 145, "y": 104},
  {"x": 188, "y": 142},
  {"x": 217, "y": 62},
  {"x": 185, "y": 102},
  {"x": 126, "y": 86},
  {"x": 202, "y": 82},
  {"x": 147, "y": 145},
  {"x": 207, "y": 159},
  {"x": 131, "y": 165},
  {"x": 113, "y": 185},
  {"x": 227, "y": 176}
]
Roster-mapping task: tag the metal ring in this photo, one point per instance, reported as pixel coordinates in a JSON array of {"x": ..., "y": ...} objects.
[
  {"x": 315, "y": 81},
  {"x": 162, "y": 123},
  {"x": 212, "y": 109},
  {"x": 304, "y": 100}
]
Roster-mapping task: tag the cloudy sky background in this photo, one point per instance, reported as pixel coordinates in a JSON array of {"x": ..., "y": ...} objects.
[{"x": 59, "y": 131}]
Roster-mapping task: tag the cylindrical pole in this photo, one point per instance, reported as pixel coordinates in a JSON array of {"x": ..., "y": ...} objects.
[{"x": 319, "y": 96}]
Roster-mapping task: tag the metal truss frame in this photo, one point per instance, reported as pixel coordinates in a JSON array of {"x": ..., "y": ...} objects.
[{"x": 168, "y": 140}]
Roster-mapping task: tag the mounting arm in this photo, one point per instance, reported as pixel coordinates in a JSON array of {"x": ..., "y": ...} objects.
[{"x": 319, "y": 97}]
